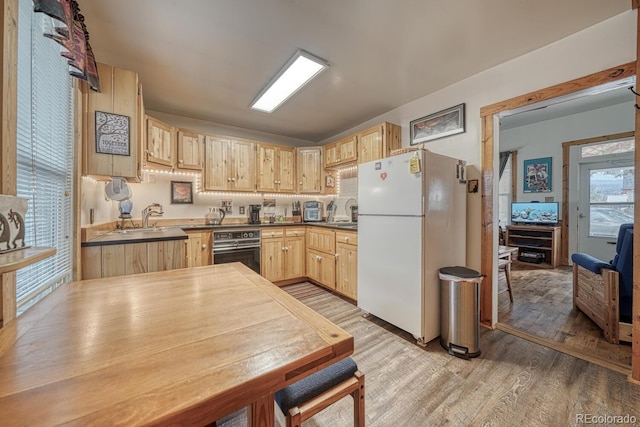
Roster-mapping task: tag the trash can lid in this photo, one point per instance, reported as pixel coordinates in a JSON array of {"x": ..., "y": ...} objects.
[{"x": 462, "y": 272}]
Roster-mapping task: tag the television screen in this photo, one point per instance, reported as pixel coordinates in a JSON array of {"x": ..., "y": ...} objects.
[{"x": 534, "y": 213}]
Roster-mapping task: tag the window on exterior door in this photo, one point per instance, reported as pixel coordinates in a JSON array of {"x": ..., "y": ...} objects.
[{"x": 611, "y": 200}]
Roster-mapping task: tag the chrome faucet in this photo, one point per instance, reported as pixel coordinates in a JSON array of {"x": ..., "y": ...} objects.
[{"x": 154, "y": 209}]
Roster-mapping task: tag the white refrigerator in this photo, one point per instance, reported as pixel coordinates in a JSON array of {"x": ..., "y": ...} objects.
[{"x": 410, "y": 224}]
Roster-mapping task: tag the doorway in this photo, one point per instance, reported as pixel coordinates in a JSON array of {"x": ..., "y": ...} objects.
[{"x": 490, "y": 123}]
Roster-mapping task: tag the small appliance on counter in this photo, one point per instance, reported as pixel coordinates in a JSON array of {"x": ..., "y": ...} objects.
[
  {"x": 254, "y": 214},
  {"x": 312, "y": 211},
  {"x": 215, "y": 216}
]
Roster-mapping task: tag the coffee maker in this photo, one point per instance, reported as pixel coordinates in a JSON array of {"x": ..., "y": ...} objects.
[{"x": 254, "y": 214}]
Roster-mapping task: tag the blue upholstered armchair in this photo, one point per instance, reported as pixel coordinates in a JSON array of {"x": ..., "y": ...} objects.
[{"x": 604, "y": 290}]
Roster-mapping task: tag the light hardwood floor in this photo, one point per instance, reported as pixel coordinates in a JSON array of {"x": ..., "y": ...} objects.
[
  {"x": 513, "y": 382},
  {"x": 543, "y": 307}
]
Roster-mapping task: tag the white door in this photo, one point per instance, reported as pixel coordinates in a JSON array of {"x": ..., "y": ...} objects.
[{"x": 605, "y": 201}]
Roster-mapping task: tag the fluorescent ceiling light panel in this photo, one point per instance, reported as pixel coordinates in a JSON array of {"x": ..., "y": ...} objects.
[{"x": 296, "y": 73}]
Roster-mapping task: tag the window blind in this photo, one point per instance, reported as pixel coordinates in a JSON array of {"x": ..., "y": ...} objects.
[{"x": 45, "y": 155}]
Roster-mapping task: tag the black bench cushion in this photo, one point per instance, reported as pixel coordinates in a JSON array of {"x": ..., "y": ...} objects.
[{"x": 307, "y": 388}]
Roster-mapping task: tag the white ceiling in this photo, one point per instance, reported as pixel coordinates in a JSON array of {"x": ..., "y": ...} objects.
[{"x": 208, "y": 59}]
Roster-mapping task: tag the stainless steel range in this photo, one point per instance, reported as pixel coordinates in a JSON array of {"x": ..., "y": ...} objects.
[{"x": 237, "y": 246}]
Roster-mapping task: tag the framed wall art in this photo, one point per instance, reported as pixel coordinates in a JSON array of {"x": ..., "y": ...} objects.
[
  {"x": 112, "y": 134},
  {"x": 438, "y": 125},
  {"x": 181, "y": 192},
  {"x": 537, "y": 175}
]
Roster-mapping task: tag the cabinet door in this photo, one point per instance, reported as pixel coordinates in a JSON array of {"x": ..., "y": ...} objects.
[
  {"x": 347, "y": 270},
  {"x": 189, "y": 150},
  {"x": 327, "y": 269},
  {"x": 370, "y": 145},
  {"x": 266, "y": 165},
  {"x": 294, "y": 257},
  {"x": 194, "y": 252},
  {"x": 118, "y": 95},
  {"x": 330, "y": 154},
  {"x": 312, "y": 264},
  {"x": 243, "y": 176},
  {"x": 309, "y": 170},
  {"x": 216, "y": 171},
  {"x": 286, "y": 169},
  {"x": 347, "y": 150},
  {"x": 321, "y": 239},
  {"x": 160, "y": 142},
  {"x": 272, "y": 261}
]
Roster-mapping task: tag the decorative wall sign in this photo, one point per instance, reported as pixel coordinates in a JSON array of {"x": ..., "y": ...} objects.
[
  {"x": 181, "y": 192},
  {"x": 12, "y": 212},
  {"x": 438, "y": 125},
  {"x": 112, "y": 134},
  {"x": 537, "y": 175}
]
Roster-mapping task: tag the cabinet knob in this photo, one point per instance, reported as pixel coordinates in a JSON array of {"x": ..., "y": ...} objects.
[
  {"x": 233, "y": 180},
  {"x": 180, "y": 161},
  {"x": 204, "y": 246},
  {"x": 284, "y": 249},
  {"x": 228, "y": 179},
  {"x": 346, "y": 239}
]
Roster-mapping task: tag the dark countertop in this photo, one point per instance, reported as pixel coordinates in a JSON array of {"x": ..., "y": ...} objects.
[
  {"x": 137, "y": 235},
  {"x": 177, "y": 232}
]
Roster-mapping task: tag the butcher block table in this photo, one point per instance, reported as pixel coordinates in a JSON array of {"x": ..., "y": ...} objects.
[{"x": 174, "y": 347}]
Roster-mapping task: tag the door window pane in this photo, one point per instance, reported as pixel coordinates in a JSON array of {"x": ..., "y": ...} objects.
[{"x": 611, "y": 200}]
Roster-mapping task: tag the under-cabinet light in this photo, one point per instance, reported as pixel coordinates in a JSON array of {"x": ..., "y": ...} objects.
[{"x": 296, "y": 73}]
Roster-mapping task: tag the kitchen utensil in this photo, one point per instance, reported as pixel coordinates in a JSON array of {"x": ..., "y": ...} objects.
[
  {"x": 215, "y": 216},
  {"x": 348, "y": 204}
]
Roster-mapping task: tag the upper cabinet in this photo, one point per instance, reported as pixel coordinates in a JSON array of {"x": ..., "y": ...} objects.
[
  {"x": 229, "y": 164},
  {"x": 342, "y": 151},
  {"x": 160, "y": 139},
  {"x": 378, "y": 141},
  {"x": 190, "y": 149},
  {"x": 309, "y": 170},
  {"x": 111, "y": 125},
  {"x": 275, "y": 168}
]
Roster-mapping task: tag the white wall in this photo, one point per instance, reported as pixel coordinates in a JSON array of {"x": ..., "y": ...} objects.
[{"x": 544, "y": 139}]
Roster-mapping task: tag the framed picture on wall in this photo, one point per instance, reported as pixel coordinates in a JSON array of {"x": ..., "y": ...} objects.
[
  {"x": 181, "y": 192},
  {"x": 537, "y": 175}
]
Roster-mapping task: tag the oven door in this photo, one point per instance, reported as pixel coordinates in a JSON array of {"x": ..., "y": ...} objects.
[{"x": 248, "y": 256}]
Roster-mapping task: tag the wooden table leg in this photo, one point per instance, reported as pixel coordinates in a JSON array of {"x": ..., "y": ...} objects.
[{"x": 262, "y": 412}]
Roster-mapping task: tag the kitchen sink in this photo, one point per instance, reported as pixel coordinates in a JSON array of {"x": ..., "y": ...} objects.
[{"x": 139, "y": 230}]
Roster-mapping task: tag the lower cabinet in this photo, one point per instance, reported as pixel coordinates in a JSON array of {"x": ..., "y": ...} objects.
[
  {"x": 321, "y": 268},
  {"x": 347, "y": 264},
  {"x": 199, "y": 248},
  {"x": 132, "y": 258},
  {"x": 283, "y": 253}
]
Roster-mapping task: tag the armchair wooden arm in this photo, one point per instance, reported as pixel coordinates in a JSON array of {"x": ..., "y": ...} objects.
[{"x": 597, "y": 296}]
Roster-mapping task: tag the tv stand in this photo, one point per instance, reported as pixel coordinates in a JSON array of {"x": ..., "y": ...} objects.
[{"x": 538, "y": 245}]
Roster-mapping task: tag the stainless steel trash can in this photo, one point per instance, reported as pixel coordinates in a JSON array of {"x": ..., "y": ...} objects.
[{"x": 460, "y": 311}]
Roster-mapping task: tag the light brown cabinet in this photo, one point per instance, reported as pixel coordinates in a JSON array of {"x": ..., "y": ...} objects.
[
  {"x": 309, "y": 168},
  {"x": 377, "y": 142},
  {"x": 190, "y": 149},
  {"x": 229, "y": 164},
  {"x": 199, "y": 248},
  {"x": 342, "y": 151},
  {"x": 109, "y": 155},
  {"x": 275, "y": 167},
  {"x": 347, "y": 264},
  {"x": 132, "y": 258},
  {"x": 283, "y": 253},
  {"x": 321, "y": 260},
  {"x": 160, "y": 148}
]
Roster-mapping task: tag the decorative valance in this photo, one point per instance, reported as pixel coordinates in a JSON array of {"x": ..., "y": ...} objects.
[{"x": 65, "y": 25}]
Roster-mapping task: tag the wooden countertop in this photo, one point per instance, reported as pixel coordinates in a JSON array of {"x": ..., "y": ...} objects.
[{"x": 184, "y": 346}]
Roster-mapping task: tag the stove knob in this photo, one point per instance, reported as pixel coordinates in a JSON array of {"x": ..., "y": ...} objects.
[
  {"x": 245, "y": 235},
  {"x": 251, "y": 234}
]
